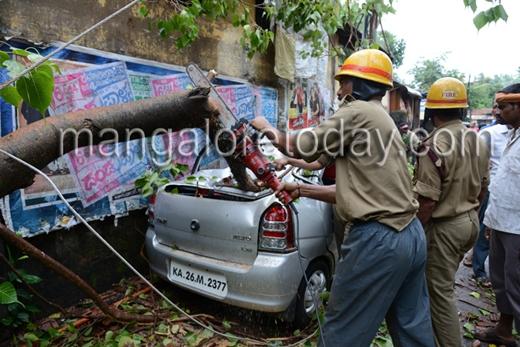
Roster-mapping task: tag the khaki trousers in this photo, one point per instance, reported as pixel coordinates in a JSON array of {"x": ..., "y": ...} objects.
[{"x": 447, "y": 241}]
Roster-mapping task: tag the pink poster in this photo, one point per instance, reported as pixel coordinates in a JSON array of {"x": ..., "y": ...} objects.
[
  {"x": 100, "y": 170},
  {"x": 72, "y": 93}
]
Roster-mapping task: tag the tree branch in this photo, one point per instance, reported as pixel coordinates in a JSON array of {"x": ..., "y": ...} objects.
[{"x": 13, "y": 239}]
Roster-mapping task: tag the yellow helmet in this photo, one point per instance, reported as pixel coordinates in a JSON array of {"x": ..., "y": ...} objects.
[
  {"x": 447, "y": 92},
  {"x": 368, "y": 64}
]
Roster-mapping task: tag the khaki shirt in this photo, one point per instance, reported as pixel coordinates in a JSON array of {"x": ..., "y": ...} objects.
[
  {"x": 372, "y": 177},
  {"x": 325, "y": 159},
  {"x": 465, "y": 159}
]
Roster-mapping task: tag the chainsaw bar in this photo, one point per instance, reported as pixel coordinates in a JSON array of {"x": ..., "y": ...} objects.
[{"x": 196, "y": 75}]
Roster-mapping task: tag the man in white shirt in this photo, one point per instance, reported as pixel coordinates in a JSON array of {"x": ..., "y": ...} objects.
[
  {"x": 495, "y": 137},
  {"x": 503, "y": 219}
]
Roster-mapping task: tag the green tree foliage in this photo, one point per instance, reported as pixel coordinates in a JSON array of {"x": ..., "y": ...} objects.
[
  {"x": 506, "y": 80},
  {"x": 481, "y": 91},
  {"x": 35, "y": 87},
  {"x": 303, "y": 16},
  {"x": 425, "y": 72},
  {"x": 308, "y": 17},
  {"x": 151, "y": 181},
  {"x": 492, "y": 15},
  {"x": 15, "y": 298},
  {"x": 393, "y": 45}
]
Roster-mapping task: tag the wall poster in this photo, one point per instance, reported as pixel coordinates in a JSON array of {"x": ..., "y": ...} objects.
[{"x": 98, "y": 181}]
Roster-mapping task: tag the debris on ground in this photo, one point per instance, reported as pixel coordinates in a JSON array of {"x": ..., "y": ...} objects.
[
  {"x": 208, "y": 323},
  {"x": 86, "y": 325}
]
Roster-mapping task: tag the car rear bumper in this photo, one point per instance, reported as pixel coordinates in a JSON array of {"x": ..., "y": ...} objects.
[{"x": 269, "y": 284}]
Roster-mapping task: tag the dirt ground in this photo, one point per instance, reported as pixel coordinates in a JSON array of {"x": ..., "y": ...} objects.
[
  {"x": 476, "y": 305},
  {"x": 90, "y": 328}
]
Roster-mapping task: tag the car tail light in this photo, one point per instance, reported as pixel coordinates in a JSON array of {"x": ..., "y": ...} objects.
[
  {"x": 276, "y": 230},
  {"x": 149, "y": 211},
  {"x": 203, "y": 192}
]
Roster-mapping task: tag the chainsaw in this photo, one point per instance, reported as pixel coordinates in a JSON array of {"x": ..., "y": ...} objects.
[{"x": 246, "y": 147}]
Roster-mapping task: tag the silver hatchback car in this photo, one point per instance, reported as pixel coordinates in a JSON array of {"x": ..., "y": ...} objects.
[{"x": 243, "y": 248}]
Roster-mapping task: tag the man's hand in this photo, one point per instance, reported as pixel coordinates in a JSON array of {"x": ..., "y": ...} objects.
[
  {"x": 279, "y": 164},
  {"x": 261, "y": 124},
  {"x": 488, "y": 233},
  {"x": 284, "y": 142},
  {"x": 291, "y": 188}
]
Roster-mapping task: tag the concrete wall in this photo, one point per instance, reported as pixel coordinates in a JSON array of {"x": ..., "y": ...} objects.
[{"x": 218, "y": 46}]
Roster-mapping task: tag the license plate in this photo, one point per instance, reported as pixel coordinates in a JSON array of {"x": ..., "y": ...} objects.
[{"x": 202, "y": 280}]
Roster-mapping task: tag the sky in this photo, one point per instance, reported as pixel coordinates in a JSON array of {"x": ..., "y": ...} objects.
[{"x": 433, "y": 27}]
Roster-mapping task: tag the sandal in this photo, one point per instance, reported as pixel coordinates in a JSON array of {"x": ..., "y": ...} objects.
[
  {"x": 483, "y": 281},
  {"x": 491, "y": 337}
]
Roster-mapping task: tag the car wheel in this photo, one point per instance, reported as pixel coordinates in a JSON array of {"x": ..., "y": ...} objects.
[{"x": 318, "y": 275}]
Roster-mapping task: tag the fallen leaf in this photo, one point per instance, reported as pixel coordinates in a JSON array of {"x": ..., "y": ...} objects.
[
  {"x": 475, "y": 294},
  {"x": 175, "y": 328}
]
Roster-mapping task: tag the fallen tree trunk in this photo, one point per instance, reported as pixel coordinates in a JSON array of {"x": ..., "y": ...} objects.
[{"x": 42, "y": 142}]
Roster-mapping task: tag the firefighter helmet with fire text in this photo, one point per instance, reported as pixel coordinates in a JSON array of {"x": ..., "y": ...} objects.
[
  {"x": 368, "y": 64},
  {"x": 445, "y": 93}
]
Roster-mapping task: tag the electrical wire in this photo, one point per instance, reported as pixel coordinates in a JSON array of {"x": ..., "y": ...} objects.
[
  {"x": 77, "y": 215},
  {"x": 65, "y": 45},
  {"x": 82, "y": 220},
  {"x": 47, "y": 57}
]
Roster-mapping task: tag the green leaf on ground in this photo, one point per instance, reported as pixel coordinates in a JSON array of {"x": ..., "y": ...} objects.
[
  {"x": 382, "y": 341},
  {"x": 143, "y": 12},
  {"x": 191, "y": 338},
  {"x": 208, "y": 333},
  {"x": 484, "y": 312},
  {"x": 226, "y": 324},
  {"x": 125, "y": 341},
  {"x": 325, "y": 295},
  {"x": 469, "y": 327},
  {"x": 232, "y": 339},
  {"x": 475, "y": 294}
]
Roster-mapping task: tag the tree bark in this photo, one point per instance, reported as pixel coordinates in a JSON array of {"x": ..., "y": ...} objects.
[{"x": 42, "y": 142}]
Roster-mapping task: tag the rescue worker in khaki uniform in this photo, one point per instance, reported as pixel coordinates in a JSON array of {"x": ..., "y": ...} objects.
[
  {"x": 450, "y": 183},
  {"x": 381, "y": 271}
]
